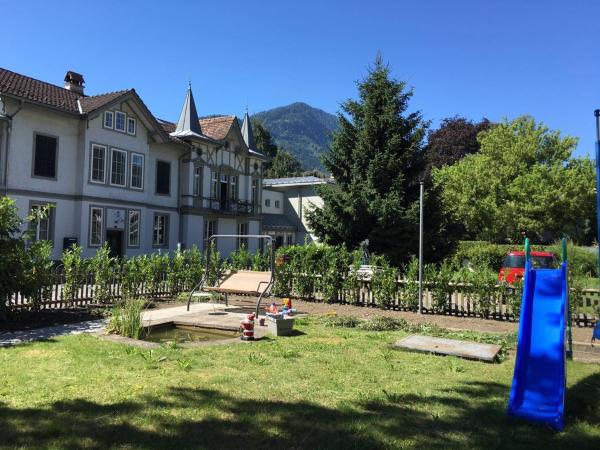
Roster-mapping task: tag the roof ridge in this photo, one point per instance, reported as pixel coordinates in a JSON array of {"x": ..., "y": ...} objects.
[
  {"x": 121, "y": 91},
  {"x": 220, "y": 117},
  {"x": 43, "y": 82}
]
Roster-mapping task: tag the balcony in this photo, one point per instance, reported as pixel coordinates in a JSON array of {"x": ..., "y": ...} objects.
[{"x": 233, "y": 207}]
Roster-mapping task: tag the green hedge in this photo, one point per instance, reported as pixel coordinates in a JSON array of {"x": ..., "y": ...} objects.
[{"x": 583, "y": 262}]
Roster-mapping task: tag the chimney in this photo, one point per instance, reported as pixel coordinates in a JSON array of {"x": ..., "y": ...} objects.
[{"x": 74, "y": 82}]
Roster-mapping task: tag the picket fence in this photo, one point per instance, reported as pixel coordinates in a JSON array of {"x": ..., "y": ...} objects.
[{"x": 460, "y": 304}]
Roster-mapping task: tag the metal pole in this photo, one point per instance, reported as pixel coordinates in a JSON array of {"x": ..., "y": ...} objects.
[
  {"x": 421, "y": 248},
  {"x": 597, "y": 116}
]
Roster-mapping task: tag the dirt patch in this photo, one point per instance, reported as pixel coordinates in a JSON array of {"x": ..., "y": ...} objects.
[{"x": 449, "y": 322}]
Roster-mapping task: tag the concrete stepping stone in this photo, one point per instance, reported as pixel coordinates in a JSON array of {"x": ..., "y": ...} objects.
[{"x": 453, "y": 347}]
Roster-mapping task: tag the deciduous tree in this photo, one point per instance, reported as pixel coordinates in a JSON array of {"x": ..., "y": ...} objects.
[{"x": 524, "y": 179}]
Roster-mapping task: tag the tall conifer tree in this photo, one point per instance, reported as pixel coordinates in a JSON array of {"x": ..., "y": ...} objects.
[{"x": 376, "y": 158}]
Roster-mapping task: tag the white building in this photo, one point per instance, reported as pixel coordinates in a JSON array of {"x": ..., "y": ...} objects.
[
  {"x": 114, "y": 173},
  {"x": 285, "y": 204}
]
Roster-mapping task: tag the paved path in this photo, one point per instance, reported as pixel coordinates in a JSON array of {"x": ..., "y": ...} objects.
[{"x": 19, "y": 337}]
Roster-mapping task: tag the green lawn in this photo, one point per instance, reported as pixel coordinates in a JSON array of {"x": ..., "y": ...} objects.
[{"x": 326, "y": 388}]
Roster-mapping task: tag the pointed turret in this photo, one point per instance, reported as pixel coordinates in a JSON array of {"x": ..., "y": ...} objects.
[
  {"x": 247, "y": 132},
  {"x": 188, "y": 124}
]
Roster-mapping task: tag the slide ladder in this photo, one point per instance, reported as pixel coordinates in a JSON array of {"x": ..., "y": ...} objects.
[{"x": 539, "y": 381}]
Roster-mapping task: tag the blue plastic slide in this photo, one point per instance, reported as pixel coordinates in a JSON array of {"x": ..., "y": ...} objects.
[{"x": 538, "y": 389}]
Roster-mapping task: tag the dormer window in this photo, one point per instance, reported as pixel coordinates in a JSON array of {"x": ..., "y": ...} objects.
[
  {"x": 109, "y": 119},
  {"x": 120, "y": 121},
  {"x": 131, "y": 125}
]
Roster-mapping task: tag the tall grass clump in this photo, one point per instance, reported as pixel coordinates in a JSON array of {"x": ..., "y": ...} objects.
[{"x": 126, "y": 319}]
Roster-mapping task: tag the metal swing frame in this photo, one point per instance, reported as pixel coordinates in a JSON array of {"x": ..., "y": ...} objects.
[{"x": 265, "y": 293}]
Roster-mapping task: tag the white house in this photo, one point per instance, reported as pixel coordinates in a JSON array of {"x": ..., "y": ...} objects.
[
  {"x": 285, "y": 203},
  {"x": 114, "y": 173}
]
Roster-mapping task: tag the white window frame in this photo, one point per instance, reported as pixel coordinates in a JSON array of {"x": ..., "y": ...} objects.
[
  {"x": 121, "y": 113},
  {"x": 233, "y": 185},
  {"x": 197, "y": 181},
  {"x": 214, "y": 184},
  {"x": 112, "y": 152},
  {"x": 267, "y": 202},
  {"x": 207, "y": 228},
  {"x": 254, "y": 192},
  {"x": 92, "y": 180},
  {"x": 165, "y": 234},
  {"x": 243, "y": 241},
  {"x": 112, "y": 120},
  {"x": 91, "y": 226},
  {"x": 132, "y": 120},
  {"x": 48, "y": 222},
  {"x": 141, "y": 187},
  {"x": 129, "y": 240},
  {"x": 276, "y": 203}
]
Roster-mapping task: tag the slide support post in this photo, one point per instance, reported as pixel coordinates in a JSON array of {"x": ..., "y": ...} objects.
[{"x": 568, "y": 306}]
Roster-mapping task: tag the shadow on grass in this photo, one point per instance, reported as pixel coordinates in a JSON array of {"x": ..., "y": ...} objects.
[{"x": 471, "y": 416}]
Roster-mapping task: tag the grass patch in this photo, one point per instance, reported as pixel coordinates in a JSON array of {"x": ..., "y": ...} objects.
[
  {"x": 384, "y": 323},
  {"x": 330, "y": 387}
]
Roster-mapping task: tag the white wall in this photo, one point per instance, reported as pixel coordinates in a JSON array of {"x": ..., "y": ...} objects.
[
  {"x": 20, "y": 163},
  {"x": 63, "y": 213},
  {"x": 272, "y": 196}
]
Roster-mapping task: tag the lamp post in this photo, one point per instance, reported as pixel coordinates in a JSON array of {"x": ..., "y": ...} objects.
[
  {"x": 597, "y": 116},
  {"x": 421, "y": 247}
]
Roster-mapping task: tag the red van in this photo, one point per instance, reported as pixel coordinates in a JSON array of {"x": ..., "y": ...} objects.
[{"x": 513, "y": 266}]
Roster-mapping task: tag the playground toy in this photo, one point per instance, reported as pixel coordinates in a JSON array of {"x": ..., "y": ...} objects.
[
  {"x": 539, "y": 381},
  {"x": 244, "y": 282},
  {"x": 248, "y": 328}
]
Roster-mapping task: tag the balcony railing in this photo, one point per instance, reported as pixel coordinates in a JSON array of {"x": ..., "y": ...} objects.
[{"x": 235, "y": 207}]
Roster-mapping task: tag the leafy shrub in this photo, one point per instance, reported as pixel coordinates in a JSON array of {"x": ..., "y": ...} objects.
[
  {"x": 284, "y": 275},
  {"x": 384, "y": 282},
  {"x": 195, "y": 266},
  {"x": 410, "y": 288},
  {"x": 479, "y": 254},
  {"x": 126, "y": 318},
  {"x": 261, "y": 261},
  {"x": 439, "y": 281},
  {"x": 582, "y": 261},
  {"x": 240, "y": 259},
  {"x": 176, "y": 273},
  {"x": 483, "y": 294},
  {"x": 352, "y": 281},
  {"x": 332, "y": 265},
  {"x": 38, "y": 276},
  {"x": 215, "y": 265},
  {"x": 158, "y": 267},
  {"x": 383, "y": 323},
  {"x": 135, "y": 273},
  {"x": 103, "y": 268},
  {"x": 75, "y": 269},
  {"x": 336, "y": 321},
  {"x": 302, "y": 265},
  {"x": 513, "y": 295}
]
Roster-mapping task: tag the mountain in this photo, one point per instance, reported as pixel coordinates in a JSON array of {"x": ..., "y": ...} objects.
[{"x": 302, "y": 130}]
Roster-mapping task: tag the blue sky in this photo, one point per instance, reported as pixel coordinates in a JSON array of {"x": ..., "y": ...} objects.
[{"x": 479, "y": 58}]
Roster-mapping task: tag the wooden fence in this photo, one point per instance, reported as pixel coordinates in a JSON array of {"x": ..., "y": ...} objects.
[
  {"x": 54, "y": 297},
  {"x": 460, "y": 303}
]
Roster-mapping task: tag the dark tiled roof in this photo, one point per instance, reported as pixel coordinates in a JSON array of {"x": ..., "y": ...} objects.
[
  {"x": 217, "y": 127},
  {"x": 169, "y": 127},
  {"x": 278, "y": 222},
  {"x": 94, "y": 102},
  {"x": 12, "y": 83}
]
